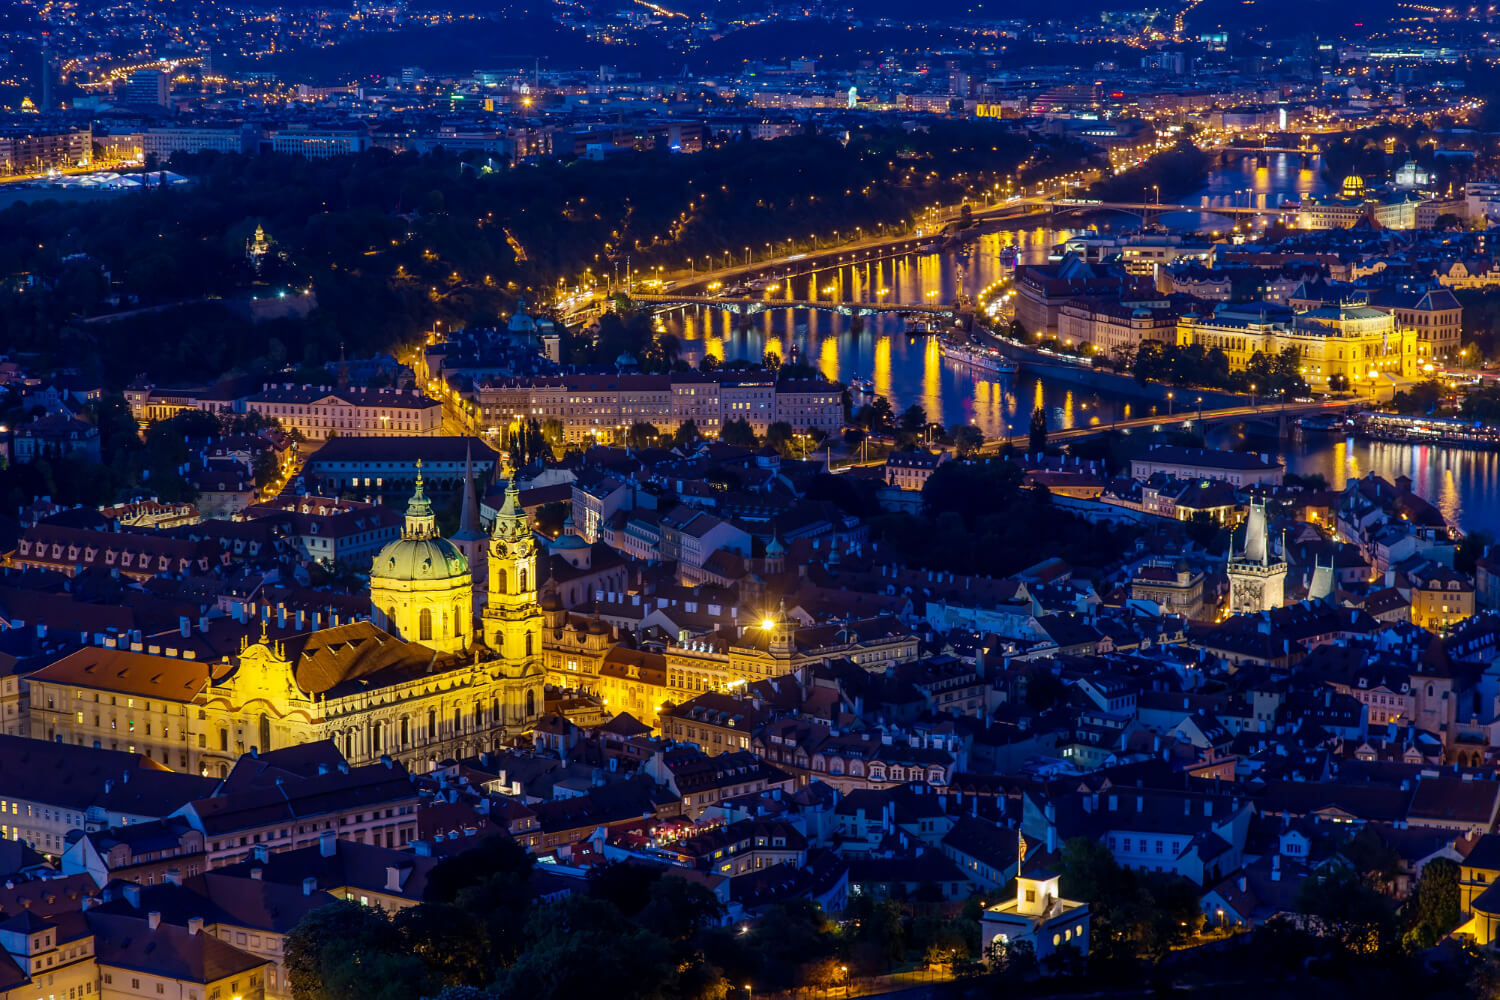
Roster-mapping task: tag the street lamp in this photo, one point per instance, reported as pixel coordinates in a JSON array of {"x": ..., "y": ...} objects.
[{"x": 1170, "y": 397}]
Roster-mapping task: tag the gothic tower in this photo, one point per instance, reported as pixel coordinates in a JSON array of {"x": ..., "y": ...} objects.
[
  {"x": 470, "y": 537},
  {"x": 1257, "y": 577},
  {"x": 512, "y": 617}
]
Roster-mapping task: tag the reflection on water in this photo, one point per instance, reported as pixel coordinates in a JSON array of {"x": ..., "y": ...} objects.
[
  {"x": 1462, "y": 483},
  {"x": 905, "y": 368},
  {"x": 910, "y": 369},
  {"x": 1244, "y": 183},
  {"x": 1248, "y": 184}
]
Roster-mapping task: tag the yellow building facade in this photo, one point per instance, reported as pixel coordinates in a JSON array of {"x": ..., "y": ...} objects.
[
  {"x": 374, "y": 692},
  {"x": 420, "y": 585},
  {"x": 582, "y": 653},
  {"x": 1360, "y": 343}
]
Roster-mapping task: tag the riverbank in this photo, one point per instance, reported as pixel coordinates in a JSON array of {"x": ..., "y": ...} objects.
[
  {"x": 985, "y": 220},
  {"x": 1057, "y": 368}
]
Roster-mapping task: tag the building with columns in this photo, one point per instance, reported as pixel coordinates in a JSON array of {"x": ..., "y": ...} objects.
[{"x": 376, "y": 689}]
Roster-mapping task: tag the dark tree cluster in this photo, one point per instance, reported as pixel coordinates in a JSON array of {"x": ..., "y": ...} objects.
[
  {"x": 632, "y": 932},
  {"x": 1193, "y": 365},
  {"x": 392, "y": 245},
  {"x": 131, "y": 464},
  {"x": 977, "y": 518},
  {"x": 1172, "y": 174}
]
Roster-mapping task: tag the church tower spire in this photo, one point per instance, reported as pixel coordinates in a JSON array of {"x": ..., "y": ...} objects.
[
  {"x": 470, "y": 537},
  {"x": 512, "y": 619},
  {"x": 420, "y": 520}
]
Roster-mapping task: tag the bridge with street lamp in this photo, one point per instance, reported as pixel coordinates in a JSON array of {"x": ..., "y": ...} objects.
[
  {"x": 1276, "y": 416},
  {"x": 1145, "y": 210},
  {"x": 745, "y": 307}
]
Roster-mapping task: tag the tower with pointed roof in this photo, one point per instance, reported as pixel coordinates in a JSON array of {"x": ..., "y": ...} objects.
[
  {"x": 512, "y": 617},
  {"x": 1320, "y": 588},
  {"x": 420, "y": 587},
  {"x": 1257, "y": 576},
  {"x": 470, "y": 537}
]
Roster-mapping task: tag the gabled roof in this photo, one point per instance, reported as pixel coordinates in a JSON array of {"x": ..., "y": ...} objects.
[{"x": 128, "y": 942}]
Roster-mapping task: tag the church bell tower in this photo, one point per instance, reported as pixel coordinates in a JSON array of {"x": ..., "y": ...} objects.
[{"x": 512, "y": 618}]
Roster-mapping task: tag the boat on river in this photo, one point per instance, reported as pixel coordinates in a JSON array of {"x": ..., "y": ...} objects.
[
  {"x": 1323, "y": 423},
  {"x": 983, "y": 359}
]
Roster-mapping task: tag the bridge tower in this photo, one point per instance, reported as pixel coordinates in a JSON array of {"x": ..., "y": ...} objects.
[{"x": 1257, "y": 576}]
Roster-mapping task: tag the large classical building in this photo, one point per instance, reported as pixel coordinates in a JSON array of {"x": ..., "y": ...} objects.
[
  {"x": 1116, "y": 329},
  {"x": 603, "y": 407},
  {"x": 1042, "y": 291},
  {"x": 320, "y": 412},
  {"x": 1436, "y": 315},
  {"x": 422, "y": 682},
  {"x": 1361, "y": 344},
  {"x": 1353, "y": 204}
]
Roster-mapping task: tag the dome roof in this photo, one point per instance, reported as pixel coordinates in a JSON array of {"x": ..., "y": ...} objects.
[
  {"x": 412, "y": 559},
  {"x": 420, "y": 553},
  {"x": 774, "y": 547},
  {"x": 568, "y": 541}
]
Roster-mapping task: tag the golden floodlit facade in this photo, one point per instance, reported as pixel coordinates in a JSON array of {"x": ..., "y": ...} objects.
[{"x": 419, "y": 684}]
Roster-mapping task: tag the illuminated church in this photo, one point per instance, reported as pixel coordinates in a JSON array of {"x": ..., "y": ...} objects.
[{"x": 425, "y": 680}]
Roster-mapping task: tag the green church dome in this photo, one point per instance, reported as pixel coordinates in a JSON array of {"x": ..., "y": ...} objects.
[
  {"x": 420, "y": 553},
  {"x": 411, "y": 559}
]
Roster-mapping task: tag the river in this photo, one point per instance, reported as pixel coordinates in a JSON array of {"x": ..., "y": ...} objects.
[{"x": 910, "y": 370}]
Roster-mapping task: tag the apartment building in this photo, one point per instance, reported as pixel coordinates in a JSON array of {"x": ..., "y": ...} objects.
[
  {"x": 36, "y": 150},
  {"x": 320, "y": 412},
  {"x": 603, "y": 407}
]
